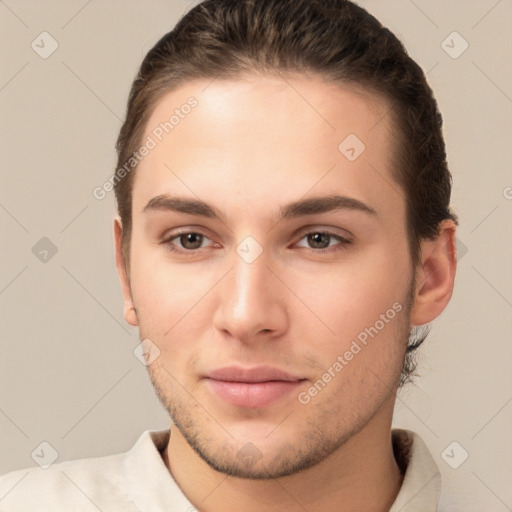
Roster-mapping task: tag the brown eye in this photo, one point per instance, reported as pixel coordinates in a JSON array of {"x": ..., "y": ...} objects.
[
  {"x": 319, "y": 240},
  {"x": 191, "y": 241},
  {"x": 186, "y": 243}
]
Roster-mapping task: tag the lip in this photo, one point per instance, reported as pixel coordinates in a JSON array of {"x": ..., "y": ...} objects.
[
  {"x": 254, "y": 374},
  {"x": 251, "y": 388}
]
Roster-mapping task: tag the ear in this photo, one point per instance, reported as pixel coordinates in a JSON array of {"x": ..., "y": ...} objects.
[
  {"x": 130, "y": 315},
  {"x": 435, "y": 275}
]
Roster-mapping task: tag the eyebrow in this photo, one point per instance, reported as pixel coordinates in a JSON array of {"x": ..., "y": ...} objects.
[{"x": 303, "y": 207}]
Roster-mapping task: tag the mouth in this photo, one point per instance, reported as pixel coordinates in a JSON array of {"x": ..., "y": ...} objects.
[{"x": 252, "y": 388}]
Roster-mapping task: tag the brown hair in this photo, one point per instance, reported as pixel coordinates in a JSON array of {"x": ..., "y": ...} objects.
[{"x": 334, "y": 39}]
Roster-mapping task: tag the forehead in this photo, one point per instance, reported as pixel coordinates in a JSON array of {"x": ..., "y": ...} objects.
[{"x": 267, "y": 134}]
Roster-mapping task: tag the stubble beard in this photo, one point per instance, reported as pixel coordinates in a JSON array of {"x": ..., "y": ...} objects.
[{"x": 312, "y": 444}]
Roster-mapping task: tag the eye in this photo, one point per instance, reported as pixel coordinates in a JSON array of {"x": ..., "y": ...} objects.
[
  {"x": 190, "y": 242},
  {"x": 321, "y": 241}
]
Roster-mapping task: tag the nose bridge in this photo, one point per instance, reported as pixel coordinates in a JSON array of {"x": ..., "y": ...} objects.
[
  {"x": 248, "y": 302},
  {"x": 252, "y": 281}
]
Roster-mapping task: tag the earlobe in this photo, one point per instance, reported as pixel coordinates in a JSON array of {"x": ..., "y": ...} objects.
[
  {"x": 435, "y": 275},
  {"x": 130, "y": 313}
]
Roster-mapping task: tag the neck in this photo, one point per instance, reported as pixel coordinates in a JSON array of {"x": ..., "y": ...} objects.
[{"x": 361, "y": 475}]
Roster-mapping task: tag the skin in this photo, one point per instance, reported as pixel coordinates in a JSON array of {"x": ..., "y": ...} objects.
[{"x": 251, "y": 146}]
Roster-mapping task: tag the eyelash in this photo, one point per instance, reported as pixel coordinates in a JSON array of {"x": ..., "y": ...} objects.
[{"x": 192, "y": 252}]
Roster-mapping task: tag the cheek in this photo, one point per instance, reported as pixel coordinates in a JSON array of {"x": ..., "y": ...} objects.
[
  {"x": 346, "y": 299},
  {"x": 167, "y": 297},
  {"x": 156, "y": 282},
  {"x": 364, "y": 328},
  {"x": 363, "y": 359}
]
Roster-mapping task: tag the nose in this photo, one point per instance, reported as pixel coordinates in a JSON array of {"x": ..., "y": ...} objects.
[{"x": 251, "y": 301}]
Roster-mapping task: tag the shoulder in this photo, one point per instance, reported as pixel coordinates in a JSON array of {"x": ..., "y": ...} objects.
[
  {"x": 98, "y": 483},
  {"x": 424, "y": 487},
  {"x": 69, "y": 485},
  {"x": 421, "y": 485}
]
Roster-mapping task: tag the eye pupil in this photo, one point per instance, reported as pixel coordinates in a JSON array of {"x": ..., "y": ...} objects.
[{"x": 315, "y": 239}]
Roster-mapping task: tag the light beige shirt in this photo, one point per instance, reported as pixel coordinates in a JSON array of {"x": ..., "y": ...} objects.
[{"x": 139, "y": 481}]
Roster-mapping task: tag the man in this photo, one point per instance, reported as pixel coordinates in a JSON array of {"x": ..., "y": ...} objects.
[{"x": 284, "y": 228}]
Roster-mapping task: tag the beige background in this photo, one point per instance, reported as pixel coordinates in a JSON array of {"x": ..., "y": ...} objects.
[{"x": 67, "y": 373}]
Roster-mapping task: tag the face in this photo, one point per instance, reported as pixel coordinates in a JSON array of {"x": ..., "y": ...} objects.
[{"x": 281, "y": 322}]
